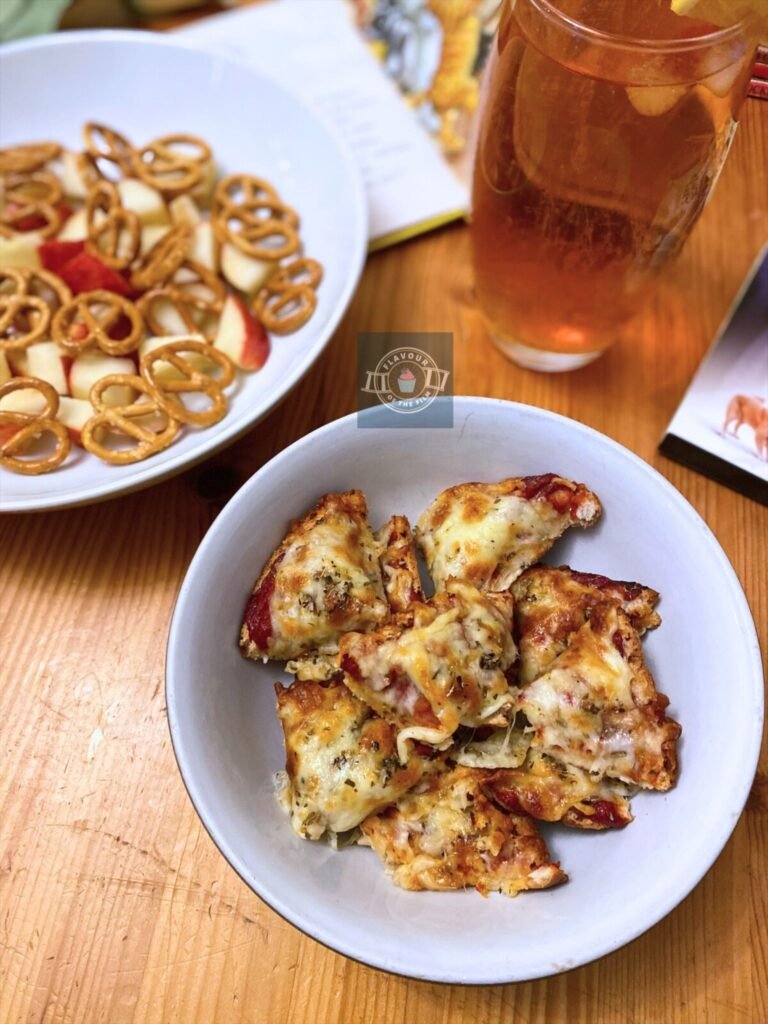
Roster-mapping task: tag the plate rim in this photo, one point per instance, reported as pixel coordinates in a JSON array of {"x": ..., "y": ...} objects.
[
  {"x": 750, "y": 747},
  {"x": 149, "y": 475}
]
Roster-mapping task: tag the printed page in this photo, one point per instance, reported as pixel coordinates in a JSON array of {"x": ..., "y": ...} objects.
[
  {"x": 316, "y": 51},
  {"x": 721, "y": 426}
]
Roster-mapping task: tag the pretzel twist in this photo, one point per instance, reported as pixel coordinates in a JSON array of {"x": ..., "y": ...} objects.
[
  {"x": 193, "y": 381},
  {"x": 46, "y": 286},
  {"x": 105, "y": 143},
  {"x": 289, "y": 299},
  {"x": 125, "y": 420},
  {"x": 196, "y": 294},
  {"x": 13, "y": 281},
  {"x": 86, "y": 321},
  {"x": 24, "y": 319},
  {"x": 35, "y": 194},
  {"x": 30, "y": 156},
  {"x": 163, "y": 259},
  {"x": 29, "y": 428},
  {"x": 114, "y": 233},
  {"x": 167, "y": 165}
]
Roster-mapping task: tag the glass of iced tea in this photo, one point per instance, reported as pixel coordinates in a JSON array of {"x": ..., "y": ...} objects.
[{"x": 603, "y": 129}]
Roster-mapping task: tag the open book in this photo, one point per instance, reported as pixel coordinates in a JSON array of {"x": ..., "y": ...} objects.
[
  {"x": 393, "y": 81},
  {"x": 721, "y": 426}
]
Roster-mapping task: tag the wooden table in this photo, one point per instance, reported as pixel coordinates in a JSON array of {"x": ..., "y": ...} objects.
[{"x": 114, "y": 904}]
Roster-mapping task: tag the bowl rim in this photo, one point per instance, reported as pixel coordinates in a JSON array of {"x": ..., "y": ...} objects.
[
  {"x": 150, "y": 474},
  {"x": 749, "y": 749}
]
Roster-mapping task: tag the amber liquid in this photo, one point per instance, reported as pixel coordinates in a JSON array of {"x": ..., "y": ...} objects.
[{"x": 592, "y": 165}]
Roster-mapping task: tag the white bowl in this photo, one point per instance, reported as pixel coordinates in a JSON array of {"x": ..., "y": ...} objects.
[
  {"x": 705, "y": 657},
  {"x": 146, "y": 86}
]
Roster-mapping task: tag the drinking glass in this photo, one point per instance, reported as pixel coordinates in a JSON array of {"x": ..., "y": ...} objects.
[{"x": 603, "y": 129}]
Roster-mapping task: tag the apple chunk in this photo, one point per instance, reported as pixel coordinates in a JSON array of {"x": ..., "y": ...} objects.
[
  {"x": 45, "y": 360},
  {"x": 92, "y": 366},
  {"x": 241, "y": 336},
  {"x": 244, "y": 272},
  {"x": 21, "y": 250},
  {"x": 72, "y": 180},
  {"x": 145, "y": 201},
  {"x": 184, "y": 210},
  {"x": 74, "y": 413},
  {"x": 203, "y": 247},
  {"x": 26, "y": 400},
  {"x": 151, "y": 235},
  {"x": 76, "y": 228}
]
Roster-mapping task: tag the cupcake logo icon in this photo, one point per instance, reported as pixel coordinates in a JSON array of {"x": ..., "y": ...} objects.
[{"x": 406, "y": 380}]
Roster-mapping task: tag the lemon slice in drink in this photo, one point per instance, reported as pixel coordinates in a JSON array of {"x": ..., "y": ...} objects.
[{"x": 724, "y": 12}]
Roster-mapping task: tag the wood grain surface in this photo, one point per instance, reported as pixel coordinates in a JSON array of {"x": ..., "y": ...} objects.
[{"x": 114, "y": 904}]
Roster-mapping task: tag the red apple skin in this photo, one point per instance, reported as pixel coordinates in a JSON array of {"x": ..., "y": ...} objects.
[
  {"x": 34, "y": 222},
  {"x": 256, "y": 348},
  {"x": 86, "y": 273},
  {"x": 55, "y": 254},
  {"x": 253, "y": 346}
]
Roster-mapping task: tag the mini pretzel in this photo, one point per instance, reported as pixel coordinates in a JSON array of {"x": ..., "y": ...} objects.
[
  {"x": 31, "y": 427},
  {"x": 163, "y": 259},
  {"x": 45, "y": 285},
  {"x": 24, "y": 319},
  {"x": 13, "y": 281},
  {"x": 263, "y": 228},
  {"x": 195, "y": 293},
  {"x": 29, "y": 157},
  {"x": 35, "y": 194},
  {"x": 104, "y": 143},
  {"x": 122, "y": 419},
  {"x": 88, "y": 169},
  {"x": 288, "y": 299},
  {"x": 167, "y": 165},
  {"x": 87, "y": 319},
  {"x": 242, "y": 190},
  {"x": 48, "y": 391},
  {"x": 194, "y": 381},
  {"x": 114, "y": 233}
]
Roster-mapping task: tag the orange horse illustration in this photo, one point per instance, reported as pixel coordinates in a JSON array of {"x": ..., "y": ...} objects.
[{"x": 752, "y": 411}]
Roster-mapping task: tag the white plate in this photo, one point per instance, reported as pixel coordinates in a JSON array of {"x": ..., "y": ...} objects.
[
  {"x": 145, "y": 86},
  {"x": 705, "y": 657}
]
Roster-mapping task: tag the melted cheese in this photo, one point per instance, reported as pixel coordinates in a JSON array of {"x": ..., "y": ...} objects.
[
  {"x": 447, "y": 835},
  {"x": 504, "y": 748},
  {"x": 549, "y": 790},
  {"x": 488, "y": 540},
  {"x": 551, "y": 604},
  {"x": 319, "y": 576},
  {"x": 322, "y": 580},
  {"x": 584, "y": 709},
  {"x": 455, "y": 662},
  {"x": 341, "y": 760}
]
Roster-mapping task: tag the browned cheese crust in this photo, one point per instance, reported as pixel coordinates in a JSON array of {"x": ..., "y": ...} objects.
[
  {"x": 597, "y": 707},
  {"x": 444, "y": 663},
  {"x": 341, "y": 759},
  {"x": 399, "y": 568},
  {"x": 551, "y": 604},
  {"x": 488, "y": 534},
  {"x": 322, "y": 580},
  {"x": 446, "y": 834}
]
